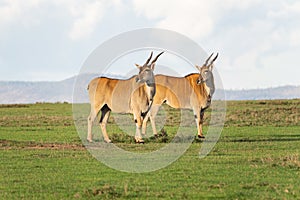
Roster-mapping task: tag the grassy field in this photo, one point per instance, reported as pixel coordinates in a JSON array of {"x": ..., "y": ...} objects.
[{"x": 257, "y": 157}]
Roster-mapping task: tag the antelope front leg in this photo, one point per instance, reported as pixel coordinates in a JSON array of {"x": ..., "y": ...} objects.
[
  {"x": 138, "y": 123},
  {"x": 144, "y": 126},
  {"x": 199, "y": 115},
  {"x": 201, "y": 119},
  {"x": 151, "y": 114},
  {"x": 152, "y": 120}
]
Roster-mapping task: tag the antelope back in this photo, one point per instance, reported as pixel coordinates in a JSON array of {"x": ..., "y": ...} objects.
[{"x": 122, "y": 95}]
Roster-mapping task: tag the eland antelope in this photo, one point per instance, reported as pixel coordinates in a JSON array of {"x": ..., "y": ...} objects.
[
  {"x": 194, "y": 91},
  {"x": 134, "y": 95}
]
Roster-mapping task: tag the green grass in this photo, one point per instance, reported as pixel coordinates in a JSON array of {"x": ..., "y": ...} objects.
[{"x": 257, "y": 157}]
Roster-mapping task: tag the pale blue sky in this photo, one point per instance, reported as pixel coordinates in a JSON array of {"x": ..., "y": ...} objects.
[{"x": 258, "y": 41}]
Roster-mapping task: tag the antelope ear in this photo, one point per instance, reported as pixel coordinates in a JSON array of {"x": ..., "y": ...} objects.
[
  {"x": 199, "y": 68},
  {"x": 211, "y": 67},
  {"x": 138, "y": 66}
]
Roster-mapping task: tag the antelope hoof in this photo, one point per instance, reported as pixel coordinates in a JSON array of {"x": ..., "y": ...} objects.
[
  {"x": 107, "y": 141},
  {"x": 139, "y": 141},
  {"x": 89, "y": 140},
  {"x": 201, "y": 136}
]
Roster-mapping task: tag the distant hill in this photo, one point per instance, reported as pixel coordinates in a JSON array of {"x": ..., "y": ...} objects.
[
  {"x": 283, "y": 92},
  {"x": 12, "y": 92}
]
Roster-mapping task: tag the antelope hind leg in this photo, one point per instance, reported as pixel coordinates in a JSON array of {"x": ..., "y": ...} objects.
[{"x": 105, "y": 112}]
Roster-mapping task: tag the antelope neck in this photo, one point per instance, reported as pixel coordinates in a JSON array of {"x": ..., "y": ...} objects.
[
  {"x": 209, "y": 87},
  {"x": 151, "y": 90},
  {"x": 150, "y": 84}
]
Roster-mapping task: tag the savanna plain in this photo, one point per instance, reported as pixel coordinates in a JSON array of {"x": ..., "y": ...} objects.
[{"x": 256, "y": 157}]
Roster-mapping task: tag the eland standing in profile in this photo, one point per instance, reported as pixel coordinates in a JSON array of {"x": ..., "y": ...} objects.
[
  {"x": 194, "y": 91},
  {"x": 134, "y": 95}
]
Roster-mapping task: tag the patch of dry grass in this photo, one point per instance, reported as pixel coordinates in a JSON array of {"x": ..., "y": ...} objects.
[
  {"x": 290, "y": 161},
  {"x": 35, "y": 120}
]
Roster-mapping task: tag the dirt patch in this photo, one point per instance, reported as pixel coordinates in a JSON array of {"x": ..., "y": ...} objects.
[
  {"x": 57, "y": 146},
  {"x": 10, "y": 144},
  {"x": 14, "y": 105}
]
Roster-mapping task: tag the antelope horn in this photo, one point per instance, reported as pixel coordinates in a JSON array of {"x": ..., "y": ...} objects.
[
  {"x": 149, "y": 58},
  {"x": 214, "y": 58},
  {"x": 153, "y": 61},
  {"x": 206, "y": 62}
]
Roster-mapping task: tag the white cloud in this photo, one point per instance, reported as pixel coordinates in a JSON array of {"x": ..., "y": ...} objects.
[
  {"x": 284, "y": 10},
  {"x": 295, "y": 37},
  {"x": 12, "y": 11},
  {"x": 282, "y": 67},
  {"x": 244, "y": 32},
  {"x": 276, "y": 70},
  {"x": 186, "y": 17},
  {"x": 196, "y": 19},
  {"x": 248, "y": 34},
  {"x": 86, "y": 16}
]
